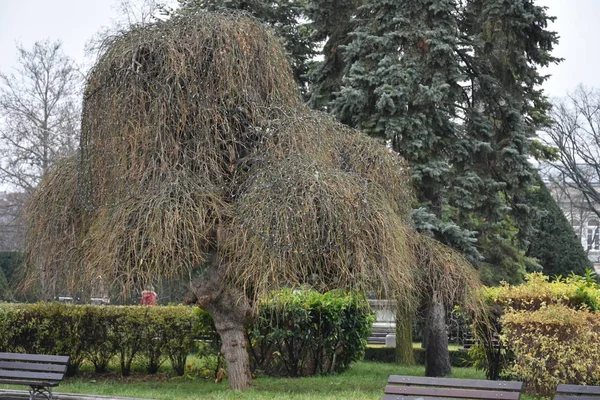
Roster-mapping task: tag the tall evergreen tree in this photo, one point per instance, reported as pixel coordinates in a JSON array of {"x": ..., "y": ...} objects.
[
  {"x": 454, "y": 87},
  {"x": 403, "y": 84},
  {"x": 506, "y": 41}
]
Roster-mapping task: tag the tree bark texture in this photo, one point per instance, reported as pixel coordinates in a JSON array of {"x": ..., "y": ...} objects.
[
  {"x": 230, "y": 311},
  {"x": 437, "y": 356}
]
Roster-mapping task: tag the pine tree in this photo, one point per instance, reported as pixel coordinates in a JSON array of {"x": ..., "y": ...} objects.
[
  {"x": 553, "y": 241},
  {"x": 453, "y": 87},
  {"x": 403, "y": 84},
  {"x": 505, "y": 41}
]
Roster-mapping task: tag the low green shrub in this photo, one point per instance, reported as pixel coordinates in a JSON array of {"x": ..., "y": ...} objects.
[
  {"x": 554, "y": 344},
  {"x": 99, "y": 333},
  {"x": 303, "y": 332},
  {"x": 297, "y": 333}
]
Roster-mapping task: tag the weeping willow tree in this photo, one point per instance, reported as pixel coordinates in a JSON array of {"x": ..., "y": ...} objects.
[{"x": 198, "y": 155}]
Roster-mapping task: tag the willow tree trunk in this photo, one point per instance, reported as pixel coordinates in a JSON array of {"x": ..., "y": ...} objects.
[
  {"x": 437, "y": 356},
  {"x": 234, "y": 348},
  {"x": 405, "y": 353},
  {"x": 230, "y": 311}
]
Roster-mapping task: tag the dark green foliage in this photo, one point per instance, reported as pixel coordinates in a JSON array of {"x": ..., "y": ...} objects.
[
  {"x": 303, "y": 333},
  {"x": 10, "y": 263},
  {"x": 454, "y": 87},
  {"x": 98, "y": 333},
  {"x": 553, "y": 242},
  {"x": 402, "y": 84},
  {"x": 5, "y": 292}
]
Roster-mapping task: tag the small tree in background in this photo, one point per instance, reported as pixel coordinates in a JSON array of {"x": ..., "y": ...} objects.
[
  {"x": 39, "y": 123},
  {"x": 40, "y": 117},
  {"x": 197, "y": 155},
  {"x": 553, "y": 242}
]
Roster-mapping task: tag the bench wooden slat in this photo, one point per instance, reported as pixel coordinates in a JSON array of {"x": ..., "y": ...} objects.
[
  {"x": 34, "y": 358},
  {"x": 401, "y": 397},
  {"x": 582, "y": 389},
  {"x": 573, "y": 396},
  {"x": 28, "y": 375},
  {"x": 27, "y": 383},
  {"x": 456, "y": 382},
  {"x": 451, "y": 393},
  {"x": 25, "y": 366}
]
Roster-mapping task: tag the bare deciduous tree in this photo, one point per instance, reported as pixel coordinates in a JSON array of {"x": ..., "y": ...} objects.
[
  {"x": 39, "y": 114},
  {"x": 39, "y": 122},
  {"x": 576, "y": 135},
  {"x": 11, "y": 223}
]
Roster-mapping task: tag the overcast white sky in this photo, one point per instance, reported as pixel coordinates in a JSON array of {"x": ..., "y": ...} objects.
[{"x": 76, "y": 21}]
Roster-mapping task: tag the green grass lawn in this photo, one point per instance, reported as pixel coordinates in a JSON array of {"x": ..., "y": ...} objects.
[{"x": 365, "y": 380}]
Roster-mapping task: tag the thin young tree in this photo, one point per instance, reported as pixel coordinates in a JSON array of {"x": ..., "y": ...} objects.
[
  {"x": 198, "y": 155},
  {"x": 39, "y": 123},
  {"x": 39, "y": 114}
]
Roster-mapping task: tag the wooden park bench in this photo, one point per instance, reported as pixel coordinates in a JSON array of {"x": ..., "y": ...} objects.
[
  {"x": 39, "y": 372},
  {"x": 577, "y": 392},
  {"x": 418, "y": 387}
]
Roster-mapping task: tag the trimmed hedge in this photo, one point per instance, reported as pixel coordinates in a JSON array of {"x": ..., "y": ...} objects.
[
  {"x": 99, "y": 333},
  {"x": 297, "y": 333},
  {"x": 303, "y": 332}
]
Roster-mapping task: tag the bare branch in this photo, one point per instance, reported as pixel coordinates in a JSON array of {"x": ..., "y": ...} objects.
[
  {"x": 576, "y": 135},
  {"x": 39, "y": 111}
]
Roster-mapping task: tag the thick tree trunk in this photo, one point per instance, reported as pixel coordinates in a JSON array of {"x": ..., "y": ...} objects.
[
  {"x": 230, "y": 311},
  {"x": 437, "y": 356},
  {"x": 234, "y": 349},
  {"x": 405, "y": 353}
]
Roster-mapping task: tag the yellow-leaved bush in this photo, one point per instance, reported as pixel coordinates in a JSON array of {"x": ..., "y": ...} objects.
[
  {"x": 539, "y": 322},
  {"x": 553, "y": 344},
  {"x": 538, "y": 291}
]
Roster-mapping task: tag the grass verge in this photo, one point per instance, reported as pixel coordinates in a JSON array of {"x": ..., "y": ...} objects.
[{"x": 364, "y": 381}]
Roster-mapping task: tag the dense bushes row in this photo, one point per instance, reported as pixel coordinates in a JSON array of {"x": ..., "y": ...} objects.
[
  {"x": 100, "y": 333},
  {"x": 550, "y": 331},
  {"x": 295, "y": 334}
]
